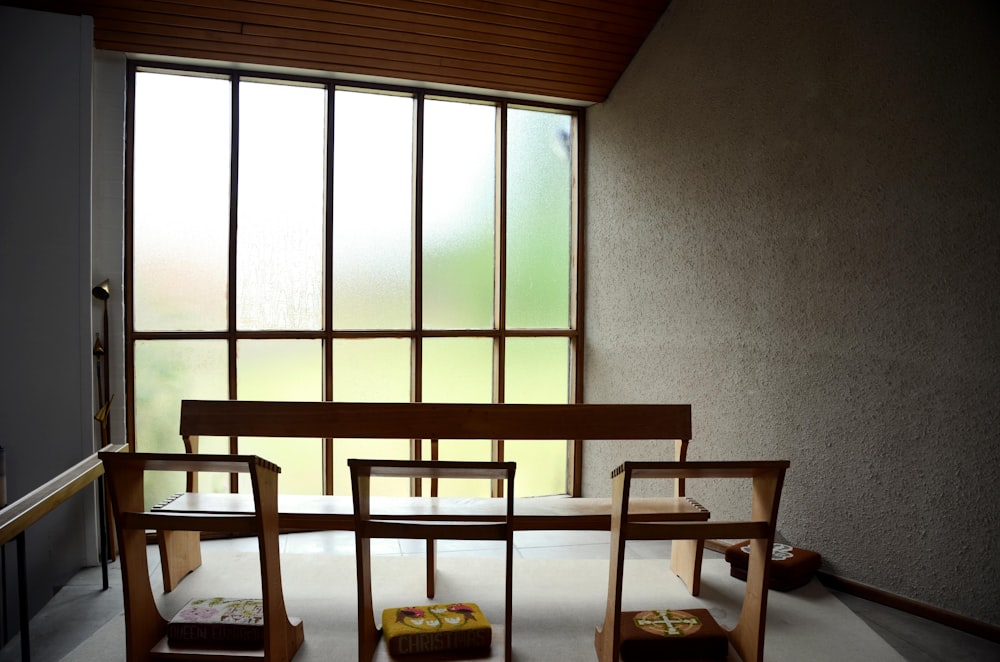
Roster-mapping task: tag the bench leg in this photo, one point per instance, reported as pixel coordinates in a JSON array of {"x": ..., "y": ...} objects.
[
  {"x": 685, "y": 561},
  {"x": 180, "y": 553},
  {"x": 431, "y": 554}
]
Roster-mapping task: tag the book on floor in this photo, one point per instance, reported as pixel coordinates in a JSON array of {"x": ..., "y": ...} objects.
[
  {"x": 231, "y": 622},
  {"x": 672, "y": 634},
  {"x": 436, "y": 628}
]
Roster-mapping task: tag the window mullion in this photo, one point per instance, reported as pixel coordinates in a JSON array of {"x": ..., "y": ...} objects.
[
  {"x": 331, "y": 110},
  {"x": 500, "y": 259},
  {"x": 500, "y": 279},
  {"x": 234, "y": 163},
  {"x": 129, "y": 261},
  {"x": 574, "y": 478},
  {"x": 417, "y": 269}
]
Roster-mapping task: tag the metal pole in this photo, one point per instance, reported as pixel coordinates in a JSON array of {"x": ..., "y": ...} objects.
[
  {"x": 107, "y": 370},
  {"x": 3, "y": 572},
  {"x": 22, "y": 597},
  {"x": 102, "y": 514}
]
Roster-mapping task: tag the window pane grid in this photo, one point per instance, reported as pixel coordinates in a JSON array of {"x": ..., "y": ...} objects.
[{"x": 452, "y": 266}]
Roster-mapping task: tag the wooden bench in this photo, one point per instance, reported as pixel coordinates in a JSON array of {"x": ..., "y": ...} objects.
[{"x": 180, "y": 550}]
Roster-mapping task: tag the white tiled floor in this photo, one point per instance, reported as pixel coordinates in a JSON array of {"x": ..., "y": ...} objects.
[{"x": 81, "y": 606}]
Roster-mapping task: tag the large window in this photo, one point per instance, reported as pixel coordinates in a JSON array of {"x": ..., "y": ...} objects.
[{"x": 304, "y": 240}]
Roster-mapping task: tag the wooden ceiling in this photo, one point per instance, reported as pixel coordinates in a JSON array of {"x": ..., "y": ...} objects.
[{"x": 567, "y": 49}]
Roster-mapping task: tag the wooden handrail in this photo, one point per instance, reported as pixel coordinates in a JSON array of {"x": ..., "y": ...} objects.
[{"x": 16, "y": 517}]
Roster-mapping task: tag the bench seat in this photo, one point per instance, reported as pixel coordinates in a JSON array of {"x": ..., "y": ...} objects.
[{"x": 297, "y": 512}]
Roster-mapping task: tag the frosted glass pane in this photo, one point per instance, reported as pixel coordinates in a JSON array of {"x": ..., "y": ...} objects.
[
  {"x": 166, "y": 372},
  {"x": 375, "y": 370},
  {"x": 459, "y": 370},
  {"x": 541, "y": 465},
  {"x": 289, "y": 370},
  {"x": 180, "y": 202},
  {"x": 301, "y": 462},
  {"x": 459, "y": 213},
  {"x": 371, "y": 370},
  {"x": 372, "y": 210},
  {"x": 539, "y": 186},
  {"x": 538, "y": 373},
  {"x": 286, "y": 370},
  {"x": 279, "y": 249}
]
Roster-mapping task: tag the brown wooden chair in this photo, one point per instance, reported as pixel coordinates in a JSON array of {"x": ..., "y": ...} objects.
[
  {"x": 145, "y": 627},
  {"x": 747, "y": 637},
  {"x": 370, "y": 525}
]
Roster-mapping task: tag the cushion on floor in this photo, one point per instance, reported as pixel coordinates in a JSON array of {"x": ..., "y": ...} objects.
[
  {"x": 671, "y": 634},
  {"x": 436, "y": 628},
  {"x": 791, "y": 567}
]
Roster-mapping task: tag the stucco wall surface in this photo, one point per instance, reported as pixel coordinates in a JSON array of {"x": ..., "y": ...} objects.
[{"x": 792, "y": 224}]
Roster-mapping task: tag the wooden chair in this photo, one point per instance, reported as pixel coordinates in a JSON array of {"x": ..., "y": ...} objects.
[
  {"x": 145, "y": 627},
  {"x": 747, "y": 637},
  {"x": 384, "y": 525}
]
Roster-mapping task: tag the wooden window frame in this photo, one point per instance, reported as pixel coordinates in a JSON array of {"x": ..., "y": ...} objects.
[{"x": 499, "y": 333}]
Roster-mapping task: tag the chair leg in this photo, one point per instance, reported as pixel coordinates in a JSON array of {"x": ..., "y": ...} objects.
[
  {"x": 431, "y": 565},
  {"x": 685, "y": 562},
  {"x": 607, "y": 638},
  {"x": 180, "y": 554},
  {"x": 368, "y": 632},
  {"x": 747, "y": 637},
  {"x": 508, "y": 640}
]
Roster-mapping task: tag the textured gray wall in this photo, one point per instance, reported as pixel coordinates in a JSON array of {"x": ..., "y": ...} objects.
[{"x": 792, "y": 224}]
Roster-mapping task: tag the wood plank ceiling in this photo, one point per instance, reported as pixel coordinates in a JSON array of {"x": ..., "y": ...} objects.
[{"x": 568, "y": 49}]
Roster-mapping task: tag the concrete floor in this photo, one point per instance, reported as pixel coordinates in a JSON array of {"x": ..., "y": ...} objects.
[{"x": 81, "y": 607}]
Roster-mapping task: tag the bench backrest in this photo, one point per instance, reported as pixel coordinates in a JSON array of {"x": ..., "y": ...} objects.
[
  {"x": 243, "y": 418},
  {"x": 437, "y": 421}
]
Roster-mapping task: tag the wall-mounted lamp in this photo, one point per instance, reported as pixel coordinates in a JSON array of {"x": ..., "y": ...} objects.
[
  {"x": 102, "y": 354},
  {"x": 103, "y": 291}
]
